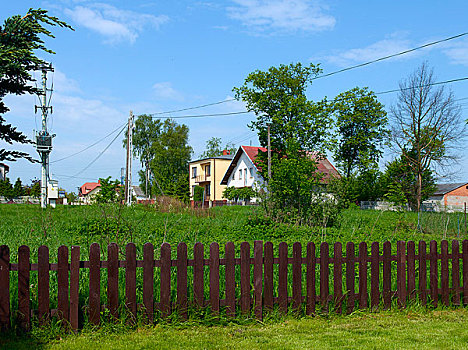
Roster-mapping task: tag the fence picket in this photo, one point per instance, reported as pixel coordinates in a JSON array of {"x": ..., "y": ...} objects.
[
  {"x": 43, "y": 287},
  {"x": 444, "y": 273},
  {"x": 24, "y": 311},
  {"x": 456, "y": 272},
  {"x": 94, "y": 284},
  {"x": 230, "y": 273},
  {"x": 338, "y": 276},
  {"x": 283, "y": 277},
  {"x": 258, "y": 279},
  {"x": 465, "y": 271},
  {"x": 63, "y": 283},
  {"x": 268, "y": 272},
  {"x": 113, "y": 279},
  {"x": 401, "y": 273},
  {"x": 165, "y": 295},
  {"x": 198, "y": 272},
  {"x": 214, "y": 278},
  {"x": 310, "y": 279},
  {"x": 245, "y": 277},
  {"x": 422, "y": 251},
  {"x": 130, "y": 280},
  {"x": 182, "y": 280},
  {"x": 363, "y": 275},
  {"x": 410, "y": 266},
  {"x": 297, "y": 276},
  {"x": 5, "y": 289},
  {"x": 387, "y": 275},
  {"x": 433, "y": 277},
  {"x": 74, "y": 286},
  {"x": 350, "y": 277},
  {"x": 324, "y": 275},
  {"x": 375, "y": 276},
  {"x": 148, "y": 281}
]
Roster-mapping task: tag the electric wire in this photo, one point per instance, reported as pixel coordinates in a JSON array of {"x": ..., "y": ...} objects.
[{"x": 202, "y": 115}]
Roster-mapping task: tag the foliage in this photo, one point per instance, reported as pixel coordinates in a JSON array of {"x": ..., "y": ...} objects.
[
  {"x": 18, "y": 188},
  {"x": 361, "y": 123},
  {"x": 162, "y": 146},
  {"x": 71, "y": 197},
  {"x": 109, "y": 191},
  {"x": 20, "y": 38},
  {"x": 198, "y": 193},
  {"x": 243, "y": 193},
  {"x": 35, "y": 188},
  {"x": 180, "y": 189},
  {"x": 6, "y": 189},
  {"x": 213, "y": 148},
  {"x": 400, "y": 183},
  {"x": 427, "y": 127}
]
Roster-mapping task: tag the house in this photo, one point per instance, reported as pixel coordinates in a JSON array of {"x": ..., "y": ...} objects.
[
  {"x": 243, "y": 171},
  {"x": 87, "y": 191},
  {"x": 4, "y": 169},
  {"x": 138, "y": 193},
  {"x": 208, "y": 173},
  {"x": 448, "y": 196}
]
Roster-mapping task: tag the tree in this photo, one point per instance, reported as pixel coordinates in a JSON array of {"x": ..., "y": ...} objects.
[
  {"x": 214, "y": 149},
  {"x": 361, "y": 123},
  {"x": 162, "y": 147},
  {"x": 71, "y": 197},
  {"x": 109, "y": 191},
  {"x": 20, "y": 38},
  {"x": 6, "y": 189},
  {"x": 35, "y": 188},
  {"x": 427, "y": 127},
  {"x": 18, "y": 188},
  {"x": 299, "y": 130}
]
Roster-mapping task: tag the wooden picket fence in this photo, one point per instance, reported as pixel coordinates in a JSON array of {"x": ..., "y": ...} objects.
[{"x": 258, "y": 279}]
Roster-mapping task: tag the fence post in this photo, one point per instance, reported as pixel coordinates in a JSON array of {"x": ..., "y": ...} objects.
[
  {"x": 148, "y": 281},
  {"x": 465, "y": 271},
  {"x": 113, "y": 279},
  {"x": 268, "y": 291},
  {"x": 198, "y": 275},
  {"x": 363, "y": 275},
  {"x": 411, "y": 270},
  {"x": 43, "y": 278},
  {"x": 456, "y": 272},
  {"x": 214, "y": 278},
  {"x": 63, "y": 283},
  {"x": 433, "y": 278},
  {"x": 245, "y": 277},
  {"x": 74, "y": 286},
  {"x": 401, "y": 273},
  {"x": 387, "y": 275},
  {"x": 375, "y": 275},
  {"x": 350, "y": 277},
  {"x": 230, "y": 273},
  {"x": 324, "y": 275},
  {"x": 24, "y": 267},
  {"x": 182, "y": 279},
  {"x": 283, "y": 277},
  {"x": 444, "y": 273},
  {"x": 258, "y": 279},
  {"x": 165, "y": 280},
  {"x": 5, "y": 289},
  {"x": 94, "y": 284},
  {"x": 422, "y": 251},
  {"x": 310, "y": 279},
  {"x": 130, "y": 279},
  {"x": 297, "y": 277},
  {"x": 338, "y": 276}
]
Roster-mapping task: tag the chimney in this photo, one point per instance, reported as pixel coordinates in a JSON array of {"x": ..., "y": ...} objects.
[{"x": 226, "y": 152}]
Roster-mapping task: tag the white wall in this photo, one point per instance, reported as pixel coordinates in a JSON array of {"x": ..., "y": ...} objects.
[{"x": 253, "y": 179}]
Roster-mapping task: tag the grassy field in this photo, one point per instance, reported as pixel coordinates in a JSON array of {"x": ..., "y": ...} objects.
[{"x": 405, "y": 329}]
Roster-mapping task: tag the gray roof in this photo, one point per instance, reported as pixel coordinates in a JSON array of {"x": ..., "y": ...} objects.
[
  {"x": 138, "y": 191},
  {"x": 227, "y": 156},
  {"x": 446, "y": 188}
]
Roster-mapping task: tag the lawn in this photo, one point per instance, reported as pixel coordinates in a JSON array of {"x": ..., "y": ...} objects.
[{"x": 405, "y": 329}]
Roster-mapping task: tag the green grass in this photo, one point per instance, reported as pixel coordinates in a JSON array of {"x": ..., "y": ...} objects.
[{"x": 404, "y": 329}]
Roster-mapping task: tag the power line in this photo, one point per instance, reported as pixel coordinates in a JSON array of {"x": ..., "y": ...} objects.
[
  {"x": 390, "y": 56},
  {"x": 195, "y": 107},
  {"x": 100, "y": 154},
  {"x": 202, "y": 115},
  {"x": 420, "y": 86},
  {"x": 88, "y": 147}
]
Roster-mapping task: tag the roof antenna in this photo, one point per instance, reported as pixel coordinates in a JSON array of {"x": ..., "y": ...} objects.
[{"x": 250, "y": 142}]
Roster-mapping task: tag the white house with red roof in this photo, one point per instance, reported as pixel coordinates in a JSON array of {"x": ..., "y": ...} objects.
[
  {"x": 243, "y": 171},
  {"x": 88, "y": 190}
]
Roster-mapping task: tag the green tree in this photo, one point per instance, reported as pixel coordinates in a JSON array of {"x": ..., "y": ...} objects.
[
  {"x": 427, "y": 127},
  {"x": 299, "y": 130},
  {"x": 6, "y": 189},
  {"x": 35, "y": 188},
  {"x": 18, "y": 188},
  {"x": 71, "y": 197},
  {"x": 214, "y": 149},
  {"x": 361, "y": 123},
  {"x": 109, "y": 191},
  {"x": 162, "y": 147},
  {"x": 20, "y": 39}
]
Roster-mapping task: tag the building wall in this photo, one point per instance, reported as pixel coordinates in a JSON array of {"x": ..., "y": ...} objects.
[
  {"x": 457, "y": 197},
  {"x": 218, "y": 168},
  {"x": 245, "y": 167}
]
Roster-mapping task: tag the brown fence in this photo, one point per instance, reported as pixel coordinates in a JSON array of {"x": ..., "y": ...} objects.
[{"x": 264, "y": 279}]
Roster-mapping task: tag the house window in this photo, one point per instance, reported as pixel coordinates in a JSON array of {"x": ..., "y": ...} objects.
[
  {"x": 208, "y": 190},
  {"x": 193, "y": 190},
  {"x": 194, "y": 172},
  {"x": 233, "y": 175},
  {"x": 251, "y": 172},
  {"x": 208, "y": 170},
  {"x": 240, "y": 174},
  {"x": 245, "y": 177}
]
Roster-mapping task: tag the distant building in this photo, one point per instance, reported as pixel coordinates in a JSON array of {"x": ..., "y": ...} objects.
[
  {"x": 4, "y": 169},
  {"x": 137, "y": 192},
  {"x": 87, "y": 191},
  {"x": 207, "y": 173},
  {"x": 448, "y": 196}
]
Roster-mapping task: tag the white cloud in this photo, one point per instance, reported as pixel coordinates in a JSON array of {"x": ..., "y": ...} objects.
[
  {"x": 164, "y": 90},
  {"x": 112, "y": 23},
  {"x": 457, "y": 52},
  {"x": 282, "y": 15}
]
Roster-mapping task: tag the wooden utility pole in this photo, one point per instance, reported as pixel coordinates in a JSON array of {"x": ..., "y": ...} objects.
[
  {"x": 269, "y": 154},
  {"x": 128, "y": 172}
]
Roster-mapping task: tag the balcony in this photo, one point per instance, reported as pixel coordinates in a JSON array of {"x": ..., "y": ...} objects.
[{"x": 202, "y": 178}]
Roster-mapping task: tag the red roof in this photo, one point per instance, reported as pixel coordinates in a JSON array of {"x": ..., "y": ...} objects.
[
  {"x": 252, "y": 151},
  {"x": 88, "y": 187}
]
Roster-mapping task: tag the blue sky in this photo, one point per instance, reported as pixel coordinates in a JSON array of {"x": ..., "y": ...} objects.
[{"x": 154, "y": 56}]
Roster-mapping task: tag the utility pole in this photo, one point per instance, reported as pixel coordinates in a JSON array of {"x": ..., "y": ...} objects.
[
  {"x": 43, "y": 138},
  {"x": 269, "y": 154},
  {"x": 128, "y": 174}
]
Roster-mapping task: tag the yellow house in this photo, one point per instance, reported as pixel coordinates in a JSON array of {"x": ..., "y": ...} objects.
[{"x": 208, "y": 173}]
